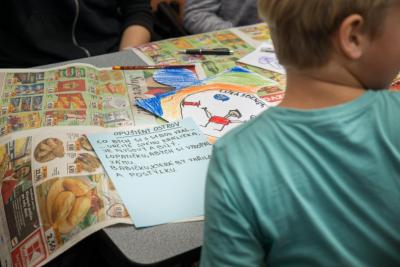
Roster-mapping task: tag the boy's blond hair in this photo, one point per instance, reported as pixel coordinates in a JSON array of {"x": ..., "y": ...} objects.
[{"x": 301, "y": 29}]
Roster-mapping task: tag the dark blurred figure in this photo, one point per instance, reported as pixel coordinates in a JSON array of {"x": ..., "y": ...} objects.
[{"x": 39, "y": 32}]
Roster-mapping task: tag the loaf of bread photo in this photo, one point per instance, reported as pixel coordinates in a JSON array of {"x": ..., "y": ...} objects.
[
  {"x": 55, "y": 189},
  {"x": 76, "y": 186},
  {"x": 79, "y": 210},
  {"x": 68, "y": 202},
  {"x": 62, "y": 206}
]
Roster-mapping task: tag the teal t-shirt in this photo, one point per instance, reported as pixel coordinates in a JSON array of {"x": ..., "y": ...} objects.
[{"x": 308, "y": 188}]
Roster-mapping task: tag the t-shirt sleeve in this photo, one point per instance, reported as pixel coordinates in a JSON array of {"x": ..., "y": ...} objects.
[
  {"x": 229, "y": 237},
  {"x": 137, "y": 12},
  {"x": 202, "y": 16}
]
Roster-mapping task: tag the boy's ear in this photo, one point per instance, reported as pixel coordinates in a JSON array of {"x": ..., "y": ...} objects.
[{"x": 351, "y": 37}]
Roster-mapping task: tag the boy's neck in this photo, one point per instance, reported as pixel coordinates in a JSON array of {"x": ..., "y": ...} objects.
[{"x": 322, "y": 87}]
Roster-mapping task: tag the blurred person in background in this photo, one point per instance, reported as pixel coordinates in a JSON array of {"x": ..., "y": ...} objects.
[{"x": 213, "y": 15}]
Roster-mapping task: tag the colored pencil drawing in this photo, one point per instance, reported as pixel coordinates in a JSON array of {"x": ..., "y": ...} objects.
[
  {"x": 219, "y": 108},
  {"x": 218, "y": 104}
]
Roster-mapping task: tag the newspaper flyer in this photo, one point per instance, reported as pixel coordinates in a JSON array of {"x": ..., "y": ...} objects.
[
  {"x": 76, "y": 95},
  {"x": 54, "y": 191}
]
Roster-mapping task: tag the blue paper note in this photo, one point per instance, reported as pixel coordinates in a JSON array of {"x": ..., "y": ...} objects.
[{"x": 159, "y": 172}]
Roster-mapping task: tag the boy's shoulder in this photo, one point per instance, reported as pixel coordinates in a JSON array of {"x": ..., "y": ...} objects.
[
  {"x": 388, "y": 99},
  {"x": 262, "y": 124},
  {"x": 395, "y": 94}
]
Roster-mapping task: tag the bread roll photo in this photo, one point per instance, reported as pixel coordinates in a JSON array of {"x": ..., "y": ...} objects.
[
  {"x": 62, "y": 206},
  {"x": 67, "y": 202},
  {"x": 76, "y": 186}
]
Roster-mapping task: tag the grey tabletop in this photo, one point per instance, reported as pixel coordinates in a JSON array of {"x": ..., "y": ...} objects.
[{"x": 153, "y": 244}]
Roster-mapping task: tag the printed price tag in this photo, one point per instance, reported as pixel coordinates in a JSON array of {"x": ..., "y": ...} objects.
[{"x": 51, "y": 240}]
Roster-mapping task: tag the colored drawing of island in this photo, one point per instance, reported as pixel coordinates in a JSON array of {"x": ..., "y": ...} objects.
[
  {"x": 217, "y": 105},
  {"x": 219, "y": 110}
]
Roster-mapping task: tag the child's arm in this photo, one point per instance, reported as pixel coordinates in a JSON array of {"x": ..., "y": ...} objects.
[
  {"x": 229, "y": 238},
  {"x": 202, "y": 16},
  {"x": 208, "y": 113}
]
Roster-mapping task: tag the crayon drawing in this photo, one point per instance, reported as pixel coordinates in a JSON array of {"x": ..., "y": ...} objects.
[
  {"x": 219, "y": 108},
  {"x": 217, "y": 105}
]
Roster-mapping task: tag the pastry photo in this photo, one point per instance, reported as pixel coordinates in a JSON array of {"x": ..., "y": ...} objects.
[
  {"x": 84, "y": 143},
  {"x": 87, "y": 162},
  {"x": 49, "y": 149},
  {"x": 67, "y": 203}
]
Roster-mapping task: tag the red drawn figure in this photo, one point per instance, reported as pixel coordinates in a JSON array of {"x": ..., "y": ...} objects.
[
  {"x": 220, "y": 122},
  {"x": 219, "y": 109}
]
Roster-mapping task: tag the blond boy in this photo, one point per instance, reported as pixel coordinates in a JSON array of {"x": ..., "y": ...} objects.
[{"x": 316, "y": 180}]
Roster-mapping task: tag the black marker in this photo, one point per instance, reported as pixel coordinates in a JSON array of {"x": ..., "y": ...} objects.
[{"x": 201, "y": 51}]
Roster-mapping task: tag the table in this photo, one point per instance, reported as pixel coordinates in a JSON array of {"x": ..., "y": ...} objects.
[{"x": 154, "y": 246}]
